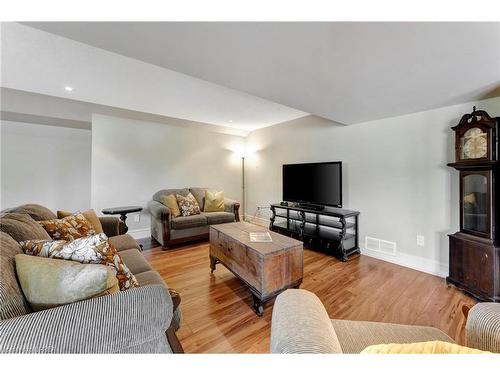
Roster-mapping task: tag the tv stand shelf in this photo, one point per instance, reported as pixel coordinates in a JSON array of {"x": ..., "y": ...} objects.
[{"x": 329, "y": 228}]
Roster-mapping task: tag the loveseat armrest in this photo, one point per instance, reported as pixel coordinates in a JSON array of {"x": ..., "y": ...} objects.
[
  {"x": 132, "y": 321},
  {"x": 159, "y": 211},
  {"x": 111, "y": 225},
  {"x": 230, "y": 205},
  {"x": 300, "y": 324},
  {"x": 482, "y": 330}
]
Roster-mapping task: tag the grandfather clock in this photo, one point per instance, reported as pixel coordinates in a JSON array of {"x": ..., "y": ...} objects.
[{"x": 475, "y": 249}]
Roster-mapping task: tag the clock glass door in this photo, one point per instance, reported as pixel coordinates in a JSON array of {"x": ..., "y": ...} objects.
[{"x": 475, "y": 202}]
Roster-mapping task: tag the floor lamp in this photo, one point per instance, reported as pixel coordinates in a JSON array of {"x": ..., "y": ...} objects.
[{"x": 243, "y": 203}]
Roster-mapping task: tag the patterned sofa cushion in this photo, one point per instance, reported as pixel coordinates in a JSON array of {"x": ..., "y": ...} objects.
[
  {"x": 69, "y": 228},
  {"x": 89, "y": 214},
  {"x": 12, "y": 301},
  {"x": 188, "y": 205}
]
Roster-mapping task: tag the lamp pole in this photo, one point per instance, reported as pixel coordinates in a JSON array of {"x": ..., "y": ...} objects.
[{"x": 243, "y": 186}]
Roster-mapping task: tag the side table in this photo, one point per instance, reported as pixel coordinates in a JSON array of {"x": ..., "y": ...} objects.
[{"x": 123, "y": 212}]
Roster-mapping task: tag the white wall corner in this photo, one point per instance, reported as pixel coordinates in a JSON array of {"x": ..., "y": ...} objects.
[
  {"x": 140, "y": 233},
  {"x": 426, "y": 265}
]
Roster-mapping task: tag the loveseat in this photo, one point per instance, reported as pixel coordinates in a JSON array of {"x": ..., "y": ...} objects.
[
  {"x": 138, "y": 320},
  {"x": 300, "y": 324},
  {"x": 169, "y": 230}
]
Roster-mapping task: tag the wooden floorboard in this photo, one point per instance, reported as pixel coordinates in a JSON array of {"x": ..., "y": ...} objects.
[{"x": 217, "y": 317}]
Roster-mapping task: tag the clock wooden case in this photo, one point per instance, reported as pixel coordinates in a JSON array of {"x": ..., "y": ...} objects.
[{"x": 475, "y": 248}]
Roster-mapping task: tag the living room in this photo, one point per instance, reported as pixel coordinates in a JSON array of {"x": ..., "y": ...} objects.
[{"x": 250, "y": 187}]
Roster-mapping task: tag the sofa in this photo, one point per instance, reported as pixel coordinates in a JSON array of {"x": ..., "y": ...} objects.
[
  {"x": 300, "y": 324},
  {"x": 138, "y": 320},
  {"x": 169, "y": 231}
]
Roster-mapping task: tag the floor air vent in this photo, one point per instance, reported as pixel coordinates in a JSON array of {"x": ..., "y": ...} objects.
[{"x": 380, "y": 246}]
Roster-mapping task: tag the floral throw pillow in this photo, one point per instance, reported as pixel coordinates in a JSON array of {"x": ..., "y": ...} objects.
[
  {"x": 188, "y": 205},
  {"x": 95, "y": 249},
  {"x": 69, "y": 228}
]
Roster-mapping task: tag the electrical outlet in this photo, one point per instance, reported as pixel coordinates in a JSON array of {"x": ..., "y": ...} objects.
[
  {"x": 420, "y": 240},
  {"x": 137, "y": 218}
]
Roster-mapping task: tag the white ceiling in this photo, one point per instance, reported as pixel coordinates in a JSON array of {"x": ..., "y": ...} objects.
[
  {"x": 39, "y": 62},
  {"x": 346, "y": 72}
]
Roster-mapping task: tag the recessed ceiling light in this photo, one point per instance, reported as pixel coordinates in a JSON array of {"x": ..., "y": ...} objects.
[
  {"x": 68, "y": 88},
  {"x": 230, "y": 121}
]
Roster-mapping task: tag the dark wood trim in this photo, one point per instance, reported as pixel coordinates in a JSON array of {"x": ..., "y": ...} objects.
[
  {"x": 237, "y": 212},
  {"x": 172, "y": 338},
  {"x": 177, "y": 241},
  {"x": 173, "y": 341}
]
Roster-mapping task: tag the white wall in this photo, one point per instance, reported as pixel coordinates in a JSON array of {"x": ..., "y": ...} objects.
[
  {"x": 131, "y": 160},
  {"x": 49, "y": 165},
  {"x": 394, "y": 172}
]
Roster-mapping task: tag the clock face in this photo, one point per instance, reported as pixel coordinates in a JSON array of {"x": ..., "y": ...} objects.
[{"x": 474, "y": 144}]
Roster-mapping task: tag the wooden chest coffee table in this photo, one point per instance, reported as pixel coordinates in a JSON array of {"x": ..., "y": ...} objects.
[{"x": 267, "y": 268}]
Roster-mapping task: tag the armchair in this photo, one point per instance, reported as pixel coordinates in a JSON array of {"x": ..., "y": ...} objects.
[{"x": 300, "y": 324}]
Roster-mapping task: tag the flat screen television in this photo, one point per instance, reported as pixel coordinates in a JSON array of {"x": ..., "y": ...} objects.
[{"x": 313, "y": 183}]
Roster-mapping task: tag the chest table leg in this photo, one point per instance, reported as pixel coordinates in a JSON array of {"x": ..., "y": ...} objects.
[{"x": 257, "y": 305}]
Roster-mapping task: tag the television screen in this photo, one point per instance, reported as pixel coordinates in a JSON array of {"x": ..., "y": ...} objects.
[{"x": 316, "y": 183}]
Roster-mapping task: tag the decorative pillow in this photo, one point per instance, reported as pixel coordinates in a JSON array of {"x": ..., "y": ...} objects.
[
  {"x": 427, "y": 347},
  {"x": 214, "y": 201},
  {"x": 90, "y": 215},
  {"x": 188, "y": 205},
  {"x": 69, "y": 228},
  {"x": 171, "y": 202},
  {"x": 48, "y": 283},
  {"x": 22, "y": 227},
  {"x": 96, "y": 249}
]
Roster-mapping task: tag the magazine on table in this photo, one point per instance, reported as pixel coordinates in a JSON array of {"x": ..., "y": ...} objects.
[{"x": 260, "y": 237}]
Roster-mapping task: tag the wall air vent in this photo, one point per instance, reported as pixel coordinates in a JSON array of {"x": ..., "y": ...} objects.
[{"x": 380, "y": 246}]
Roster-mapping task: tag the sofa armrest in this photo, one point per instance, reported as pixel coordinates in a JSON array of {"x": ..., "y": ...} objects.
[
  {"x": 230, "y": 205},
  {"x": 110, "y": 225},
  {"x": 482, "y": 330},
  {"x": 159, "y": 211},
  {"x": 300, "y": 324},
  {"x": 133, "y": 321}
]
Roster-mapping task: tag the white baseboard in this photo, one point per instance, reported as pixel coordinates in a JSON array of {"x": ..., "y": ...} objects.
[
  {"x": 411, "y": 261},
  {"x": 140, "y": 233}
]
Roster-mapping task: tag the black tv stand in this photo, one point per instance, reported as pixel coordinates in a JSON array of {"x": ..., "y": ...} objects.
[
  {"x": 311, "y": 206},
  {"x": 331, "y": 229}
]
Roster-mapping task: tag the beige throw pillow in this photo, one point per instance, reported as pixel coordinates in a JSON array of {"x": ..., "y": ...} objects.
[
  {"x": 171, "y": 202},
  {"x": 90, "y": 215},
  {"x": 48, "y": 283},
  {"x": 214, "y": 201},
  {"x": 188, "y": 205}
]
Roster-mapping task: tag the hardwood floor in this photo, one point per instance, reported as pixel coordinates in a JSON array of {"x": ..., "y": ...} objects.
[{"x": 217, "y": 314}]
